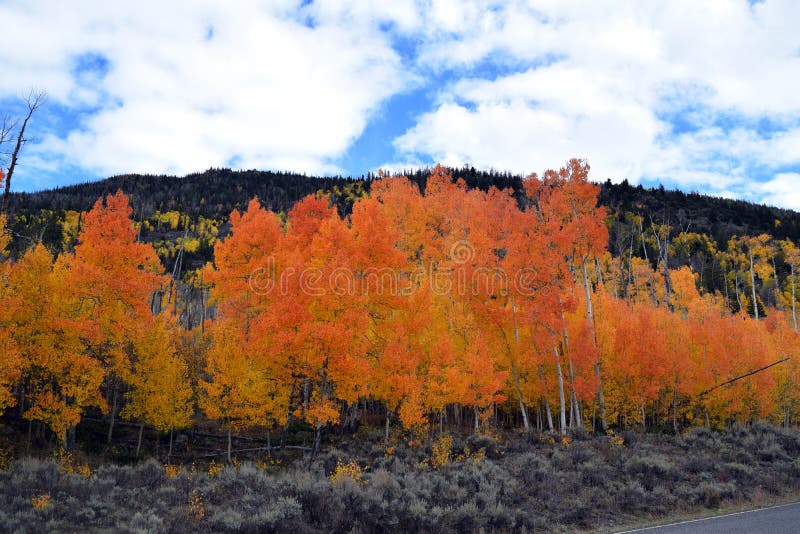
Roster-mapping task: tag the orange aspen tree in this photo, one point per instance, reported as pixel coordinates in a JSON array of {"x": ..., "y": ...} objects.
[
  {"x": 467, "y": 256},
  {"x": 113, "y": 277},
  {"x": 331, "y": 348},
  {"x": 244, "y": 385},
  {"x": 567, "y": 202},
  {"x": 242, "y": 276},
  {"x": 510, "y": 266},
  {"x": 398, "y": 311}
]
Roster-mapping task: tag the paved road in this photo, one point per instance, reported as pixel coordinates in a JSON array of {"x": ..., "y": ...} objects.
[{"x": 783, "y": 519}]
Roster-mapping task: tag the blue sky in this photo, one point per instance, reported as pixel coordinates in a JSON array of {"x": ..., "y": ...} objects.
[{"x": 699, "y": 95}]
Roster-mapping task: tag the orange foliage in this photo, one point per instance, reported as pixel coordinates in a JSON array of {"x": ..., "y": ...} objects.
[{"x": 422, "y": 299}]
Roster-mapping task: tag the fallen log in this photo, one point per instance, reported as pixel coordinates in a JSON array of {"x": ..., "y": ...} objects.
[
  {"x": 734, "y": 379},
  {"x": 256, "y": 449}
]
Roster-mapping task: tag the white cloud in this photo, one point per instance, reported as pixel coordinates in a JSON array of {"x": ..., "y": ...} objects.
[
  {"x": 527, "y": 84},
  {"x": 783, "y": 191},
  {"x": 604, "y": 75},
  {"x": 405, "y": 14},
  {"x": 537, "y": 118},
  {"x": 265, "y": 90}
]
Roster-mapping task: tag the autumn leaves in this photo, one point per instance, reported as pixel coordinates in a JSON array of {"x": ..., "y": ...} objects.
[
  {"x": 432, "y": 302},
  {"x": 79, "y": 328},
  {"x": 445, "y": 329}
]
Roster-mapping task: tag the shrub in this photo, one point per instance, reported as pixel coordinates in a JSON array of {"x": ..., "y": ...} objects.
[
  {"x": 711, "y": 494},
  {"x": 524, "y": 486},
  {"x": 226, "y": 519},
  {"x": 384, "y": 484},
  {"x": 214, "y": 468},
  {"x": 632, "y": 497},
  {"x": 277, "y": 516},
  {"x": 70, "y": 464},
  {"x": 40, "y": 502},
  {"x": 772, "y": 452},
  {"x": 596, "y": 473},
  {"x": 699, "y": 463},
  {"x": 142, "y": 521},
  {"x": 739, "y": 473},
  {"x": 488, "y": 444},
  {"x": 533, "y": 469},
  {"x": 197, "y": 505},
  {"x": 580, "y": 453},
  {"x": 441, "y": 450},
  {"x": 171, "y": 471},
  {"x": 652, "y": 469},
  {"x": 789, "y": 441},
  {"x": 350, "y": 470},
  {"x": 464, "y": 518},
  {"x": 700, "y": 438},
  {"x": 794, "y": 470}
]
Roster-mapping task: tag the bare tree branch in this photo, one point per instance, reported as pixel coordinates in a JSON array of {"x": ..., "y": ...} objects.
[
  {"x": 6, "y": 128},
  {"x": 34, "y": 101}
]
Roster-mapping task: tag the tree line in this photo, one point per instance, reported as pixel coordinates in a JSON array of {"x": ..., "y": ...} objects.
[{"x": 444, "y": 304}]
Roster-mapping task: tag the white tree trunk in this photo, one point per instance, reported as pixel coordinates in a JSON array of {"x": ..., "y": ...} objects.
[
  {"x": 590, "y": 317},
  {"x": 562, "y": 408},
  {"x": 526, "y": 424},
  {"x": 546, "y": 403},
  {"x": 794, "y": 305},
  {"x": 753, "y": 284}
]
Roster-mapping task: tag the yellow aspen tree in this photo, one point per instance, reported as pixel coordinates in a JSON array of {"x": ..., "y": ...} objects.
[
  {"x": 10, "y": 357},
  {"x": 238, "y": 390},
  {"x": 160, "y": 389},
  {"x": 791, "y": 256},
  {"x": 59, "y": 375}
]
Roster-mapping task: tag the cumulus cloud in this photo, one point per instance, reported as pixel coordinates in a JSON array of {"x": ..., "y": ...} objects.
[
  {"x": 700, "y": 94},
  {"x": 614, "y": 82},
  {"x": 783, "y": 190},
  {"x": 180, "y": 89}
]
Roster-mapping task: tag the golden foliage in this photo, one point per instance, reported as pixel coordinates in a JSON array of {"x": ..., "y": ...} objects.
[
  {"x": 171, "y": 471},
  {"x": 70, "y": 464},
  {"x": 214, "y": 468},
  {"x": 41, "y": 502},
  {"x": 5, "y": 237},
  {"x": 350, "y": 471},
  {"x": 615, "y": 439},
  {"x": 197, "y": 506},
  {"x": 72, "y": 324},
  {"x": 475, "y": 457},
  {"x": 268, "y": 462},
  {"x": 441, "y": 451}
]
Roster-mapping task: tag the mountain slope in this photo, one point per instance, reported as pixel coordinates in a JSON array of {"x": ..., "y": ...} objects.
[{"x": 215, "y": 192}]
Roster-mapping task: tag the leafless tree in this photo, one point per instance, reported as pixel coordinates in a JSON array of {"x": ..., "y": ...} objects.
[{"x": 34, "y": 101}]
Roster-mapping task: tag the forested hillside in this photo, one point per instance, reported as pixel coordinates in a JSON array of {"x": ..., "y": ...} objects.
[
  {"x": 201, "y": 203},
  {"x": 424, "y": 300}
]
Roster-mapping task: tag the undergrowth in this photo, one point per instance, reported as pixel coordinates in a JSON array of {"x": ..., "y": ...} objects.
[{"x": 452, "y": 484}]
